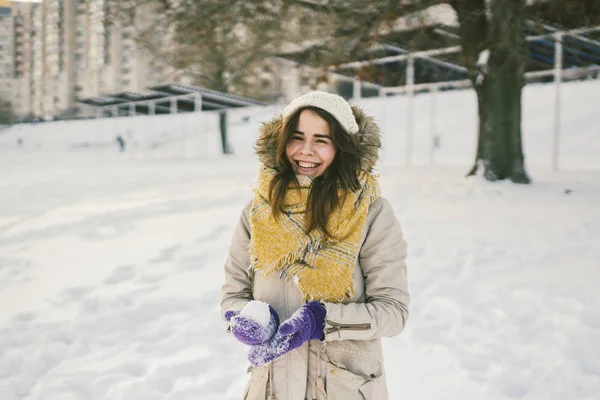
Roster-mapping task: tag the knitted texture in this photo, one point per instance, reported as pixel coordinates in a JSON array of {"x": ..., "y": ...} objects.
[
  {"x": 249, "y": 330},
  {"x": 307, "y": 323},
  {"x": 310, "y": 319},
  {"x": 321, "y": 268},
  {"x": 332, "y": 103}
]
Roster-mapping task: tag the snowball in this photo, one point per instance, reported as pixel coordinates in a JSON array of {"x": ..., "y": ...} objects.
[{"x": 257, "y": 311}]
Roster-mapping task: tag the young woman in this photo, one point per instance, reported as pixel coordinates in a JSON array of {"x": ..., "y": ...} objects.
[{"x": 316, "y": 275}]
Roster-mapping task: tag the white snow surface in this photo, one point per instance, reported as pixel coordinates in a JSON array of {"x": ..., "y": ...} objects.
[
  {"x": 111, "y": 266},
  {"x": 452, "y": 127},
  {"x": 483, "y": 57},
  {"x": 257, "y": 311}
]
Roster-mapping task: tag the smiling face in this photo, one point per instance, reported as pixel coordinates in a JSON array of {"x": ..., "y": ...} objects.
[{"x": 310, "y": 150}]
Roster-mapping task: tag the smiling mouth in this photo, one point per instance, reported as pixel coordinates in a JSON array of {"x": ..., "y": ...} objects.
[{"x": 307, "y": 165}]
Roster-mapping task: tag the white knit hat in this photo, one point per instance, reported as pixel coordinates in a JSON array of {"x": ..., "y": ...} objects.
[{"x": 332, "y": 103}]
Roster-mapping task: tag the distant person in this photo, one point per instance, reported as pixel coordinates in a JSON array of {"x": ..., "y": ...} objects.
[
  {"x": 121, "y": 142},
  {"x": 318, "y": 258},
  {"x": 20, "y": 142}
]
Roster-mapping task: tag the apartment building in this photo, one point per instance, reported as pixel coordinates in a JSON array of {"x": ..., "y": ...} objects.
[
  {"x": 21, "y": 93},
  {"x": 56, "y": 51},
  {"x": 6, "y": 51}
]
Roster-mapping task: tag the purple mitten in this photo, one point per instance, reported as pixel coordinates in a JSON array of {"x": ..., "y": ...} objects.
[
  {"x": 306, "y": 324},
  {"x": 256, "y": 323}
]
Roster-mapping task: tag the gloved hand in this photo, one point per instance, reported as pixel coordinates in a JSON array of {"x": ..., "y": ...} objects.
[
  {"x": 256, "y": 323},
  {"x": 307, "y": 323}
]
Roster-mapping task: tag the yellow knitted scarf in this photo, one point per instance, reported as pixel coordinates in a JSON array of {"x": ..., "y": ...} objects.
[{"x": 321, "y": 268}]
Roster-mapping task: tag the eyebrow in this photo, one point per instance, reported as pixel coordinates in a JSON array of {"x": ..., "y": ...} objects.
[{"x": 319, "y": 135}]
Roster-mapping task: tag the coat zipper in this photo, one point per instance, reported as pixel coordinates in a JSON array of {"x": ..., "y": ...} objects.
[{"x": 335, "y": 327}]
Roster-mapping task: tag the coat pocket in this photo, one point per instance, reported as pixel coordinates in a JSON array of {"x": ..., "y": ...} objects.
[
  {"x": 256, "y": 389},
  {"x": 354, "y": 373},
  {"x": 358, "y": 361},
  {"x": 342, "y": 384}
]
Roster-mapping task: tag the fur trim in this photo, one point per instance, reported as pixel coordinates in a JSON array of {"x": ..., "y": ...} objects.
[{"x": 369, "y": 137}]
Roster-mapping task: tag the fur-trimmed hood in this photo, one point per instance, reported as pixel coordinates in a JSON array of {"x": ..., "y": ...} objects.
[{"x": 369, "y": 137}]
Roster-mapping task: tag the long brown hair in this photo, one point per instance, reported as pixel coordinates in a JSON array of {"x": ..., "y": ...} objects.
[{"x": 341, "y": 175}]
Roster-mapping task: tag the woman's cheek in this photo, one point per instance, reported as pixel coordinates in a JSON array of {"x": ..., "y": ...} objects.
[{"x": 289, "y": 150}]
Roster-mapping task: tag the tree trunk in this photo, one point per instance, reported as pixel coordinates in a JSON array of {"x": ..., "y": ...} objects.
[
  {"x": 499, "y": 89},
  {"x": 223, "y": 128},
  {"x": 480, "y": 92}
]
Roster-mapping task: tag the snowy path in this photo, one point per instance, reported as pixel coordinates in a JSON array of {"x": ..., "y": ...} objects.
[{"x": 110, "y": 271}]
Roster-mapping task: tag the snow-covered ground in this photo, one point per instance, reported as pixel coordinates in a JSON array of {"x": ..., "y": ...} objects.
[
  {"x": 111, "y": 265},
  {"x": 453, "y": 126}
]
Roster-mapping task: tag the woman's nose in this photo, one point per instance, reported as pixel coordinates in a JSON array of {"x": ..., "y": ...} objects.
[{"x": 307, "y": 147}]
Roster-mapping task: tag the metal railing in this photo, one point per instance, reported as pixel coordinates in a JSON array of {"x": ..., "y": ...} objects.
[{"x": 411, "y": 88}]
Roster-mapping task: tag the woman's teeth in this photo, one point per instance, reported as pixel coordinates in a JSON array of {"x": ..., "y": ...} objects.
[{"x": 307, "y": 165}]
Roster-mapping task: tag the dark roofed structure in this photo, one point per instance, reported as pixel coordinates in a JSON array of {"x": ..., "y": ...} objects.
[
  {"x": 214, "y": 100},
  {"x": 169, "y": 98}
]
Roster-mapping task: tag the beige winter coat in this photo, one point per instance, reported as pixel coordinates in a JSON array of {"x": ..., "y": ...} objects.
[{"x": 351, "y": 356}]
